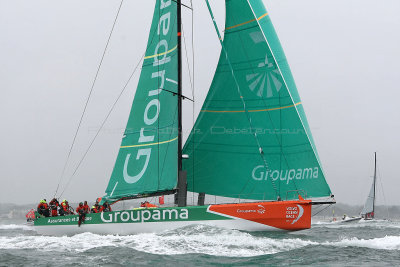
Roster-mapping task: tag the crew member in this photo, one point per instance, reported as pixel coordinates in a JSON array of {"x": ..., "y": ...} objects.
[
  {"x": 54, "y": 206},
  {"x": 106, "y": 207},
  {"x": 86, "y": 207},
  {"x": 94, "y": 209},
  {"x": 82, "y": 213},
  {"x": 66, "y": 209},
  {"x": 43, "y": 208},
  {"x": 97, "y": 205}
]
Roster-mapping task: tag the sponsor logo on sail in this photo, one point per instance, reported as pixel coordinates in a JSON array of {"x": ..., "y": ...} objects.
[
  {"x": 152, "y": 110},
  {"x": 265, "y": 80},
  {"x": 260, "y": 174}
]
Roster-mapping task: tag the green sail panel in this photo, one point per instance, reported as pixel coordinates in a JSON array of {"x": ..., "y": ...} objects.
[
  {"x": 147, "y": 159},
  {"x": 251, "y": 139}
]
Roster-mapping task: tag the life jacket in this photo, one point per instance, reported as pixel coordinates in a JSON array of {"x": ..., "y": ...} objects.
[
  {"x": 95, "y": 210},
  {"x": 43, "y": 206},
  {"x": 80, "y": 209},
  {"x": 54, "y": 212},
  {"x": 64, "y": 206},
  {"x": 105, "y": 208},
  {"x": 86, "y": 208},
  {"x": 54, "y": 204}
]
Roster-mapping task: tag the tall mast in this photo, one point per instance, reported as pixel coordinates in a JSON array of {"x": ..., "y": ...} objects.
[
  {"x": 179, "y": 85},
  {"x": 182, "y": 183}
]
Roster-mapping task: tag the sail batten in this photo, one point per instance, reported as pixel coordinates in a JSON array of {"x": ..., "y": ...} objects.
[{"x": 226, "y": 159}]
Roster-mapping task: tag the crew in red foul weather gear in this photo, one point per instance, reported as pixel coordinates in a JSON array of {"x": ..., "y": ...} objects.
[
  {"x": 86, "y": 207},
  {"x": 54, "y": 206},
  {"x": 65, "y": 208},
  {"x": 82, "y": 213},
  {"x": 94, "y": 210},
  {"x": 43, "y": 208},
  {"x": 106, "y": 207}
]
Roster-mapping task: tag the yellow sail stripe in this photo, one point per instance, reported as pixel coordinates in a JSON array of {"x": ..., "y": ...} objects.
[
  {"x": 244, "y": 23},
  {"x": 254, "y": 110},
  {"x": 163, "y": 53},
  {"x": 151, "y": 144}
]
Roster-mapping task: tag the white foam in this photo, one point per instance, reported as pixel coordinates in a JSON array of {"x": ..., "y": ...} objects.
[
  {"x": 194, "y": 239},
  {"x": 386, "y": 243},
  {"x": 211, "y": 241},
  {"x": 217, "y": 242},
  {"x": 16, "y": 227},
  {"x": 381, "y": 224}
]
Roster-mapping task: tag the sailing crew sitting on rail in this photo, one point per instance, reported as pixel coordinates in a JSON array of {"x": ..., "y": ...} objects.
[
  {"x": 66, "y": 209},
  {"x": 82, "y": 213},
  {"x": 94, "y": 209},
  {"x": 97, "y": 206},
  {"x": 54, "y": 206},
  {"x": 106, "y": 207},
  {"x": 86, "y": 207},
  {"x": 43, "y": 208}
]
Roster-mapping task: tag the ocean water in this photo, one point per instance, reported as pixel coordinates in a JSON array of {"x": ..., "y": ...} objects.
[{"x": 374, "y": 243}]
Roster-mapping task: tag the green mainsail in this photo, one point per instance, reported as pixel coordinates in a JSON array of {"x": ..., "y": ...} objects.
[
  {"x": 147, "y": 159},
  {"x": 251, "y": 139}
]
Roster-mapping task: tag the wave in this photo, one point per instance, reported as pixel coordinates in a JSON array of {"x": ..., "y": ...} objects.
[
  {"x": 197, "y": 239},
  {"x": 358, "y": 224},
  {"x": 16, "y": 227},
  {"x": 385, "y": 243}
]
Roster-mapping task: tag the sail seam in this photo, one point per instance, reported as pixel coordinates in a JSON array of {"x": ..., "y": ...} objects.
[
  {"x": 290, "y": 94},
  {"x": 151, "y": 144},
  {"x": 254, "y": 110},
  {"x": 163, "y": 53},
  {"x": 247, "y": 22}
]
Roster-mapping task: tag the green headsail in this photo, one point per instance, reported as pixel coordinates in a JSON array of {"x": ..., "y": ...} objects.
[
  {"x": 147, "y": 159},
  {"x": 251, "y": 139}
]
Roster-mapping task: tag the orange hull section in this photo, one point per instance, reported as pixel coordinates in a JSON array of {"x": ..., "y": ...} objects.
[{"x": 285, "y": 215}]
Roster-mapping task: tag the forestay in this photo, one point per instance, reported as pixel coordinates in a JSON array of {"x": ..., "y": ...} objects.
[
  {"x": 147, "y": 159},
  {"x": 251, "y": 139}
]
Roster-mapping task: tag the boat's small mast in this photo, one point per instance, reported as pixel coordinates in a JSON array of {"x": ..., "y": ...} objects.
[
  {"x": 373, "y": 203},
  {"x": 182, "y": 183}
]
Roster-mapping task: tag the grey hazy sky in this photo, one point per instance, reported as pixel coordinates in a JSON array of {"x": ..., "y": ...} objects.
[{"x": 344, "y": 55}]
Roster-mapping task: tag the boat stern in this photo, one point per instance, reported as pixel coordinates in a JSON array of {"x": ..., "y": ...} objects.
[{"x": 284, "y": 215}]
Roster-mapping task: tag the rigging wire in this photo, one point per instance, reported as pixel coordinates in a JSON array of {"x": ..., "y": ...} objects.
[
  {"x": 102, "y": 124},
  {"x": 88, "y": 98},
  {"x": 321, "y": 210},
  {"x": 383, "y": 192},
  {"x": 104, "y": 121}
]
